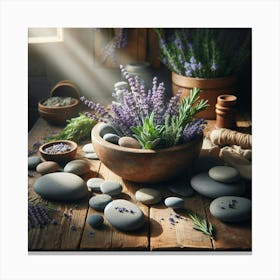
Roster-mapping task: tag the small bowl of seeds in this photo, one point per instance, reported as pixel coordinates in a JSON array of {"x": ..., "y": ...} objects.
[{"x": 59, "y": 151}]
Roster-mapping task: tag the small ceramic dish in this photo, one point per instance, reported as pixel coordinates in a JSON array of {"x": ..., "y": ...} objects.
[{"x": 55, "y": 151}]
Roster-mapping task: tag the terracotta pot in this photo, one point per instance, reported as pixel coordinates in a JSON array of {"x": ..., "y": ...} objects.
[
  {"x": 145, "y": 166},
  {"x": 59, "y": 115},
  {"x": 226, "y": 111},
  {"x": 60, "y": 157},
  {"x": 210, "y": 90}
]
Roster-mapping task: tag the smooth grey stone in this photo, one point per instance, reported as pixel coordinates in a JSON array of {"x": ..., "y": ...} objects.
[
  {"x": 88, "y": 148},
  {"x": 99, "y": 202},
  {"x": 204, "y": 163},
  {"x": 124, "y": 215},
  {"x": 111, "y": 187},
  {"x": 33, "y": 161},
  {"x": 231, "y": 208},
  {"x": 121, "y": 85},
  {"x": 94, "y": 184},
  {"x": 112, "y": 138},
  {"x": 77, "y": 166},
  {"x": 174, "y": 202},
  {"x": 148, "y": 196},
  {"x": 129, "y": 142},
  {"x": 91, "y": 156},
  {"x": 95, "y": 220},
  {"x": 46, "y": 167},
  {"x": 208, "y": 187},
  {"x": 61, "y": 186},
  {"x": 224, "y": 174},
  {"x": 183, "y": 189},
  {"x": 105, "y": 129}
]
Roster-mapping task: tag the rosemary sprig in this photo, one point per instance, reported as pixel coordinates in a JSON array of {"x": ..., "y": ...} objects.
[{"x": 201, "y": 224}]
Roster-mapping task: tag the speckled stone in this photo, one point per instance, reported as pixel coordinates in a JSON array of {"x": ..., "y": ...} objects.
[
  {"x": 204, "y": 163},
  {"x": 224, "y": 174},
  {"x": 208, "y": 187},
  {"x": 231, "y": 208},
  {"x": 148, "y": 196},
  {"x": 99, "y": 202},
  {"x": 105, "y": 129},
  {"x": 174, "y": 202},
  {"x": 124, "y": 215},
  {"x": 88, "y": 148},
  {"x": 77, "y": 166},
  {"x": 183, "y": 189},
  {"x": 91, "y": 156},
  {"x": 47, "y": 167},
  {"x": 61, "y": 186},
  {"x": 33, "y": 161},
  {"x": 94, "y": 184},
  {"x": 112, "y": 138},
  {"x": 129, "y": 142},
  {"x": 95, "y": 220},
  {"x": 111, "y": 188}
]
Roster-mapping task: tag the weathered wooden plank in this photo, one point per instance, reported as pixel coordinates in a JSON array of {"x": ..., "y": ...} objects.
[
  {"x": 181, "y": 235},
  {"x": 108, "y": 237},
  {"x": 229, "y": 236},
  {"x": 153, "y": 51},
  {"x": 141, "y": 44}
]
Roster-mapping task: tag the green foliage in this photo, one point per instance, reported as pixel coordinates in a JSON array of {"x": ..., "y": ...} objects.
[{"x": 77, "y": 129}]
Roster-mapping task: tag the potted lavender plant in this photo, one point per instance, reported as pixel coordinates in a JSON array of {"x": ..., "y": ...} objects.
[
  {"x": 204, "y": 58},
  {"x": 168, "y": 132}
]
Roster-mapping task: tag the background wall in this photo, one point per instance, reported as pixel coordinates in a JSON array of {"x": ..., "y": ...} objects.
[{"x": 78, "y": 57}]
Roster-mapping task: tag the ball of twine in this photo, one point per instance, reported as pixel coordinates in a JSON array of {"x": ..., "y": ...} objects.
[{"x": 227, "y": 137}]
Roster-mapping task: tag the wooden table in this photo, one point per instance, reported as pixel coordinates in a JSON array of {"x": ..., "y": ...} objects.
[{"x": 157, "y": 234}]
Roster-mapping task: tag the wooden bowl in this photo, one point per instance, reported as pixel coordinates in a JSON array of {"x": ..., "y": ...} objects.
[
  {"x": 145, "y": 166},
  {"x": 60, "y": 157}
]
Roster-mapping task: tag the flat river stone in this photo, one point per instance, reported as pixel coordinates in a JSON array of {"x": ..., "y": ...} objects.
[
  {"x": 94, "y": 184},
  {"x": 208, "y": 187},
  {"x": 112, "y": 138},
  {"x": 111, "y": 187},
  {"x": 124, "y": 215},
  {"x": 99, "y": 202},
  {"x": 91, "y": 155},
  {"x": 148, "y": 196},
  {"x": 33, "y": 161},
  {"x": 174, "y": 202},
  {"x": 183, "y": 189},
  {"x": 224, "y": 174},
  {"x": 231, "y": 208},
  {"x": 95, "y": 220},
  {"x": 129, "y": 142},
  {"x": 61, "y": 186},
  {"x": 77, "y": 166},
  {"x": 88, "y": 148},
  {"x": 47, "y": 167}
]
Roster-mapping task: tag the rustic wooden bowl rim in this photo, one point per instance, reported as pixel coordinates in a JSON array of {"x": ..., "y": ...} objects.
[
  {"x": 73, "y": 145},
  {"x": 106, "y": 144}
]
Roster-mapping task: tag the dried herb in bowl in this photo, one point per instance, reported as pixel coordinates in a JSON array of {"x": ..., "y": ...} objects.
[{"x": 58, "y": 101}]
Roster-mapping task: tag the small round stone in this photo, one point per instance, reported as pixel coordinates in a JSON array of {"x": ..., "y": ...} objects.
[
  {"x": 129, "y": 142},
  {"x": 33, "y": 161},
  {"x": 111, "y": 187},
  {"x": 208, "y": 187},
  {"x": 106, "y": 128},
  {"x": 94, "y": 184},
  {"x": 95, "y": 220},
  {"x": 112, "y": 138},
  {"x": 88, "y": 148},
  {"x": 231, "y": 208},
  {"x": 100, "y": 201},
  {"x": 121, "y": 85},
  {"x": 174, "y": 202},
  {"x": 77, "y": 166},
  {"x": 124, "y": 215},
  {"x": 224, "y": 174},
  {"x": 47, "y": 167},
  {"x": 148, "y": 196},
  {"x": 61, "y": 186},
  {"x": 91, "y": 156}
]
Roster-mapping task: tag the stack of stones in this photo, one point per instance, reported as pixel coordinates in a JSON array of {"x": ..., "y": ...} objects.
[{"x": 224, "y": 185}]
